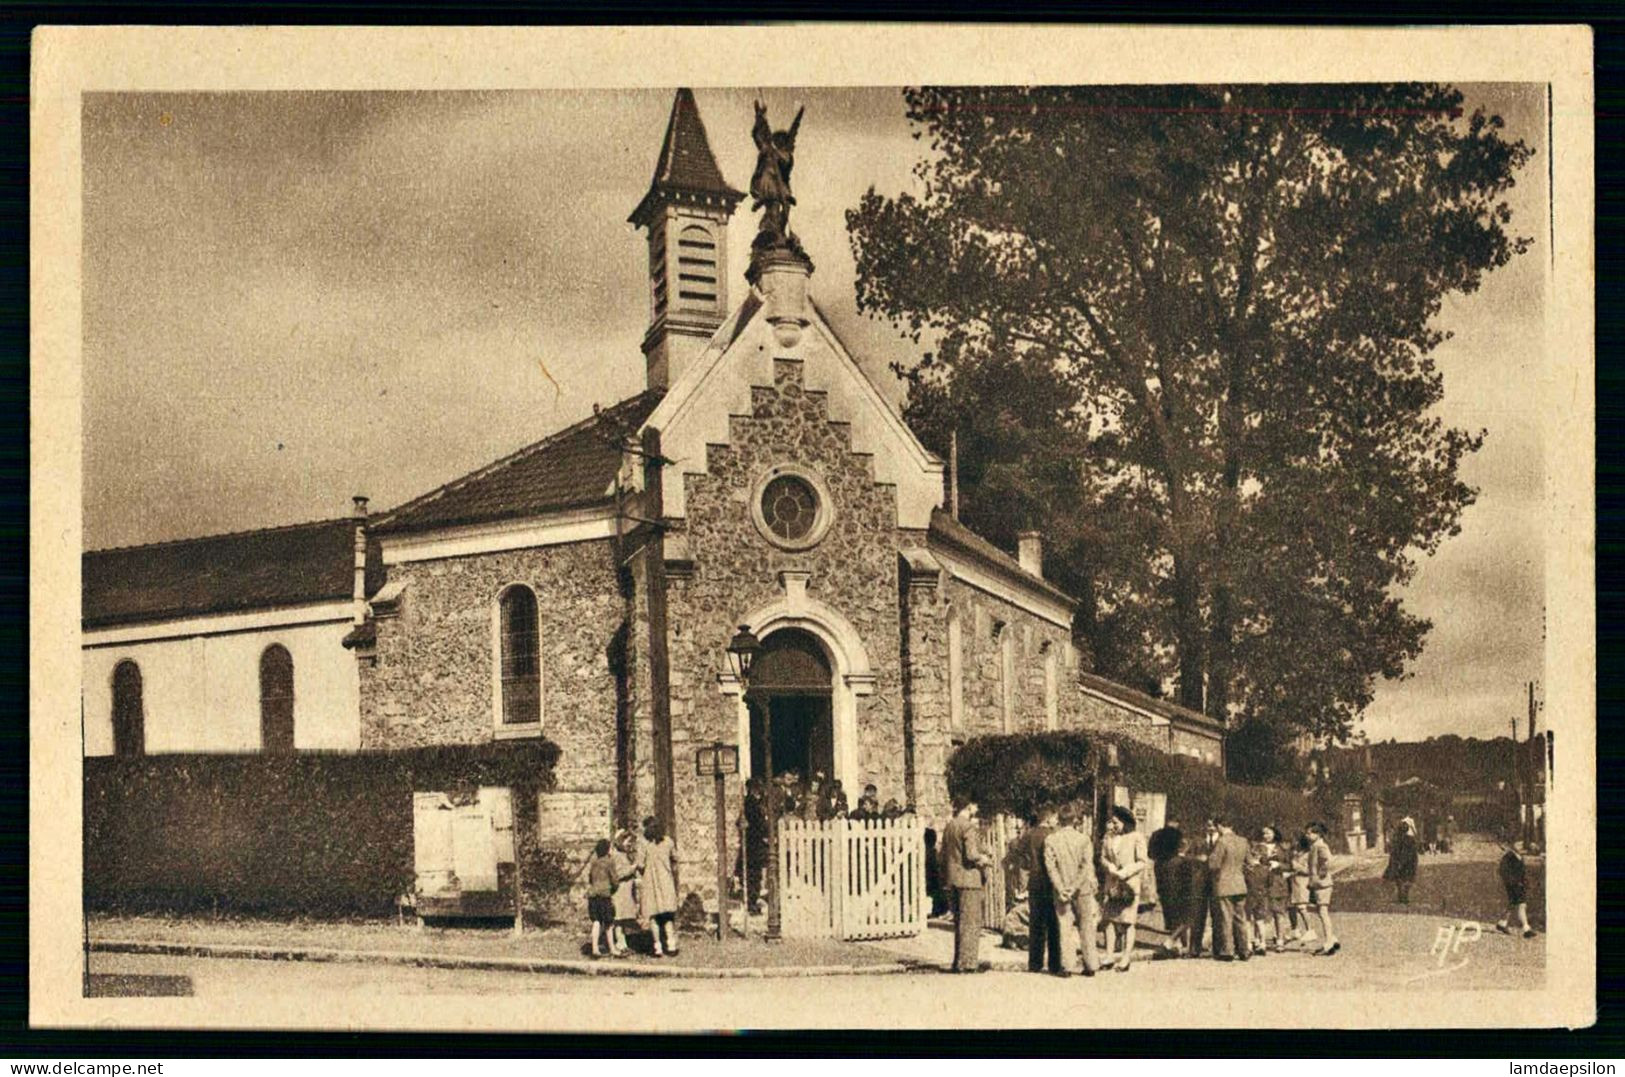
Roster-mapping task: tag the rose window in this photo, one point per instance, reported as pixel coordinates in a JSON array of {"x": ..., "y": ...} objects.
[{"x": 790, "y": 507}]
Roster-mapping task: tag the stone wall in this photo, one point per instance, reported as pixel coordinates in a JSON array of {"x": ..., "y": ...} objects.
[
  {"x": 925, "y": 678},
  {"x": 735, "y": 569},
  {"x": 1209, "y": 747},
  {"x": 433, "y": 679},
  {"x": 986, "y": 622}
]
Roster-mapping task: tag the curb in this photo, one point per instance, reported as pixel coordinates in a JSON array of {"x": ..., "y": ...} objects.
[{"x": 566, "y": 966}]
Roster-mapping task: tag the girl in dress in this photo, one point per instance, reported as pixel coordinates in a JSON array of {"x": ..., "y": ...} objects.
[
  {"x": 626, "y": 894},
  {"x": 1123, "y": 858},
  {"x": 1298, "y": 887},
  {"x": 657, "y": 875}
]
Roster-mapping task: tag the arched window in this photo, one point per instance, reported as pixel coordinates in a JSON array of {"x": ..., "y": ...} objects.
[
  {"x": 129, "y": 714},
  {"x": 520, "y": 659},
  {"x": 276, "y": 699}
]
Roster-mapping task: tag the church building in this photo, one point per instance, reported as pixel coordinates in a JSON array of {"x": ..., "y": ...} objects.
[{"x": 584, "y": 589}]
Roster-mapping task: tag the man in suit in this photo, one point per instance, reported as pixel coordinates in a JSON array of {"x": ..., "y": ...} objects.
[
  {"x": 962, "y": 864},
  {"x": 1069, "y": 860},
  {"x": 1043, "y": 932},
  {"x": 1225, "y": 863}
]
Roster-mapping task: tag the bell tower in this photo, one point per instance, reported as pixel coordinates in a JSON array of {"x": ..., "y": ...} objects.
[{"x": 686, "y": 216}]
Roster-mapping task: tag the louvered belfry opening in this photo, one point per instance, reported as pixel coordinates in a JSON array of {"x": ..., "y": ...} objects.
[
  {"x": 276, "y": 700},
  {"x": 521, "y": 658},
  {"x": 697, "y": 267},
  {"x": 794, "y": 675}
]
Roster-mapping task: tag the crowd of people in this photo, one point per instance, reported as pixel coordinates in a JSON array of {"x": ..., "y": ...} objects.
[
  {"x": 632, "y": 891},
  {"x": 1257, "y": 896},
  {"x": 1082, "y": 905},
  {"x": 1077, "y": 905},
  {"x": 812, "y": 797}
]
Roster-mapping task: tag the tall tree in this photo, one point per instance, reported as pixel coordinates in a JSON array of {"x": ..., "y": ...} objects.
[{"x": 1224, "y": 298}]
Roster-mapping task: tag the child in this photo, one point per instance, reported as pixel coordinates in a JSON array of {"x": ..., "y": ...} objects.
[
  {"x": 1514, "y": 877},
  {"x": 1298, "y": 889},
  {"x": 1321, "y": 880},
  {"x": 1275, "y": 858},
  {"x": 601, "y": 885},
  {"x": 1255, "y": 869}
]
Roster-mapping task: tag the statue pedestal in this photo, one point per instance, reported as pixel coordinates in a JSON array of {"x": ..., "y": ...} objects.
[{"x": 781, "y": 274}]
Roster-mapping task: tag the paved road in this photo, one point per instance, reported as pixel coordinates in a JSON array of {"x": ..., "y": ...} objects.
[{"x": 1388, "y": 953}]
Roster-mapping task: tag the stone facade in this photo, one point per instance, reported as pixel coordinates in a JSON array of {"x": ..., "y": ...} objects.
[
  {"x": 432, "y": 681},
  {"x": 736, "y": 569},
  {"x": 1208, "y": 746}
]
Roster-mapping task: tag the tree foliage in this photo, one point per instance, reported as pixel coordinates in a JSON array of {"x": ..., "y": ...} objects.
[
  {"x": 1020, "y": 773},
  {"x": 1188, "y": 332}
]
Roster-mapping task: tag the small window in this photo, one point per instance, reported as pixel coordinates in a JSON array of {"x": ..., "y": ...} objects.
[
  {"x": 129, "y": 713},
  {"x": 1052, "y": 695},
  {"x": 276, "y": 700},
  {"x": 520, "y": 659},
  {"x": 1007, "y": 678}
]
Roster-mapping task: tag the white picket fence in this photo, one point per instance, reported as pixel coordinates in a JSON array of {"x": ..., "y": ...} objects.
[{"x": 846, "y": 879}]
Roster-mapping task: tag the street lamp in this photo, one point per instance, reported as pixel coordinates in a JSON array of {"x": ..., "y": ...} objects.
[{"x": 742, "y": 652}]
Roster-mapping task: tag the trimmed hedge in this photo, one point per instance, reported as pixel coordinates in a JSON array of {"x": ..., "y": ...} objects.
[
  {"x": 1017, "y": 773},
  {"x": 317, "y": 834}
]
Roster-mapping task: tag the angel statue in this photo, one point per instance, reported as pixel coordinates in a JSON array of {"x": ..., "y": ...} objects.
[{"x": 770, "y": 186}]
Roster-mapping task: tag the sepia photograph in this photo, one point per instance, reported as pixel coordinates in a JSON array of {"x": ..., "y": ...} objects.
[{"x": 790, "y": 552}]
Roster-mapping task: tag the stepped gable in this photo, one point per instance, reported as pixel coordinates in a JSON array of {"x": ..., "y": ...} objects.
[
  {"x": 574, "y": 468},
  {"x": 279, "y": 566}
]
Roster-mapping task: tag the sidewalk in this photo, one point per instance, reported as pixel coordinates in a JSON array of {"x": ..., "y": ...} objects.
[{"x": 550, "y": 949}]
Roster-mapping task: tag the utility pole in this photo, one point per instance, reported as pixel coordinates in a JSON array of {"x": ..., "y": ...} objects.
[
  {"x": 1517, "y": 772},
  {"x": 1529, "y": 820}
]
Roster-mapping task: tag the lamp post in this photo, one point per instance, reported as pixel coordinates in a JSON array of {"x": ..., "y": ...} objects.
[
  {"x": 742, "y": 652},
  {"x": 718, "y": 761}
]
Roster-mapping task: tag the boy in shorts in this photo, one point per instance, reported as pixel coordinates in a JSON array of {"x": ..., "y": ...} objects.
[
  {"x": 1514, "y": 878},
  {"x": 1320, "y": 887},
  {"x": 601, "y": 884}
]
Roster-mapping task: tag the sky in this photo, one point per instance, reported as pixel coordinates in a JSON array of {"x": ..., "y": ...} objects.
[{"x": 293, "y": 298}]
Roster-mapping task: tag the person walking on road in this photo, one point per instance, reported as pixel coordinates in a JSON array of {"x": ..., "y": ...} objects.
[
  {"x": 1226, "y": 863},
  {"x": 1069, "y": 861},
  {"x": 1401, "y": 869},
  {"x": 1514, "y": 878},
  {"x": 962, "y": 865}
]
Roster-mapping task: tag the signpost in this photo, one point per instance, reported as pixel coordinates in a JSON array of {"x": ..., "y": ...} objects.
[{"x": 719, "y": 760}]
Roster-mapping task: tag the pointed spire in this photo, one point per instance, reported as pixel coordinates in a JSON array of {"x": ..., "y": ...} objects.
[{"x": 686, "y": 169}]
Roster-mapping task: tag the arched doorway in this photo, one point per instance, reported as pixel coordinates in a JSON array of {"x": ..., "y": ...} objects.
[{"x": 793, "y": 675}]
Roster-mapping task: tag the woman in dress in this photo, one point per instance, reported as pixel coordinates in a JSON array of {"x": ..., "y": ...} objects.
[
  {"x": 626, "y": 895},
  {"x": 1123, "y": 858},
  {"x": 657, "y": 885},
  {"x": 1401, "y": 870}
]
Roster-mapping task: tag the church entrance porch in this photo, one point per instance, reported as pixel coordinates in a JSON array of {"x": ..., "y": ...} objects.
[{"x": 793, "y": 677}]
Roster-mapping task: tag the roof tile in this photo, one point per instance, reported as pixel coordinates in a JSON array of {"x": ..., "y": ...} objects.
[
  {"x": 573, "y": 468},
  {"x": 278, "y": 566}
]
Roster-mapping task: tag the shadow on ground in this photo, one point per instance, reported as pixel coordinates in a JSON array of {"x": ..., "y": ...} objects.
[
  {"x": 1463, "y": 890},
  {"x": 131, "y": 985}
]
